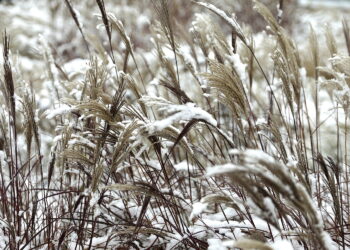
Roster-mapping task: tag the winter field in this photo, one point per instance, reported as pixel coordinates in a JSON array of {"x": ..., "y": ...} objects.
[{"x": 174, "y": 124}]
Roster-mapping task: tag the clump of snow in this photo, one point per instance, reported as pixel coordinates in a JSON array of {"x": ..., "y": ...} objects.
[
  {"x": 184, "y": 166},
  {"x": 197, "y": 209},
  {"x": 98, "y": 241},
  {"x": 220, "y": 169},
  {"x": 281, "y": 244},
  {"x": 218, "y": 244},
  {"x": 63, "y": 109},
  {"x": 177, "y": 113},
  {"x": 77, "y": 139}
]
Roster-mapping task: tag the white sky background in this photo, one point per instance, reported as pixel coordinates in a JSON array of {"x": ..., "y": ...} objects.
[{"x": 330, "y": 3}]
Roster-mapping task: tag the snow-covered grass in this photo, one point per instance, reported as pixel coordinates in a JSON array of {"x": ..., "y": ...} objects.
[{"x": 171, "y": 125}]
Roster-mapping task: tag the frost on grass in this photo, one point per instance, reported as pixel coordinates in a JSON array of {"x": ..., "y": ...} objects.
[
  {"x": 231, "y": 21},
  {"x": 115, "y": 179},
  {"x": 271, "y": 173}
]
